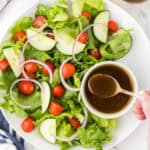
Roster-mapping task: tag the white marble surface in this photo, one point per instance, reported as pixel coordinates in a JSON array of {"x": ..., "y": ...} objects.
[{"x": 141, "y": 12}]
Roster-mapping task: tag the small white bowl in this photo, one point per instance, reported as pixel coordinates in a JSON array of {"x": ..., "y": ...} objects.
[{"x": 102, "y": 114}]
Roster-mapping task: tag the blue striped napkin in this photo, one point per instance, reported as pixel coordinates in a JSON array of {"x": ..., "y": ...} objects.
[{"x": 8, "y": 137}]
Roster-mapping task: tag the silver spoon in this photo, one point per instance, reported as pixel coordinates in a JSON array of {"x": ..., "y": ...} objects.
[{"x": 106, "y": 86}]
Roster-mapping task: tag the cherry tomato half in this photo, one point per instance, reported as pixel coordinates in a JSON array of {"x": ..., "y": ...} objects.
[
  {"x": 50, "y": 66},
  {"x": 31, "y": 67},
  {"x": 58, "y": 91},
  {"x": 21, "y": 35},
  {"x": 113, "y": 26},
  {"x": 56, "y": 108},
  {"x": 39, "y": 21},
  {"x": 68, "y": 70},
  {"x": 87, "y": 15},
  {"x": 83, "y": 38},
  {"x": 3, "y": 64},
  {"x": 75, "y": 123},
  {"x": 27, "y": 125},
  {"x": 26, "y": 87},
  {"x": 95, "y": 53}
]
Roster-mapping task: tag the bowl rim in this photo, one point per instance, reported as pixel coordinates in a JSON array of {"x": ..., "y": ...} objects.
[{"x": 126, "y": 108}]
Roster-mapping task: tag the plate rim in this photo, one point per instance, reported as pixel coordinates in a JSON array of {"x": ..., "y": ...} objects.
[{"x": 106, "y": 1}]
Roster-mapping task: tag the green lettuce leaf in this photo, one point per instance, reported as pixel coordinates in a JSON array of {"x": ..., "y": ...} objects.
[
  {"x": 57, "y": 57},
  {"x": 82, "y": 22},
  {"x": 77, "y": 81},
  {"x": 6, "y": 78},
  {"x": 12, "y": 108},
  {"x": 64, "y": 129},
  {"x": 22, "y": 24},
  {"x": 56, "y": 15},
  {"x": 33, "y": 100},
  {"x": 1, "y": 55},
  {"x": 118, "y": 46},
  {"x": 39, "y": 120},
  {"x": 93, "y": 136},
  {"x": 56, "y": 78},
  {"x": 97, "y": 4},
  {"x": 32, "y": 53},
  {"x": 10, "y": 43},
  {"x": 108, "y": 124},
  {"x": 87, "y": 5}
]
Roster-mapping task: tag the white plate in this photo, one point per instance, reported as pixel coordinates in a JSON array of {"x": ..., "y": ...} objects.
[{"x": 137, "y": 59}]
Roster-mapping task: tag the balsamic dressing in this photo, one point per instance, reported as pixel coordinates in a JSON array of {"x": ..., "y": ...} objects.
[
  {"x": 102, "y": 85},
  {"x": 112, "y": 104}
]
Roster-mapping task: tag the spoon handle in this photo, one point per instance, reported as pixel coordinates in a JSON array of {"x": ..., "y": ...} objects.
[{"x": 129, "y": 93}]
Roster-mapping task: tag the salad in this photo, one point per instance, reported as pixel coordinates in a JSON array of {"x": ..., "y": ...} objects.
[{"x": 42, "y": 64}]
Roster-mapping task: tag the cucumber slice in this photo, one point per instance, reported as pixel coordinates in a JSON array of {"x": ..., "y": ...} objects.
[
  {"x": 48, "y": 129},
  {"x": 46, "y": 95},
  {"x": 40, "y": 41},
  {"x": 101, "y": 30},
  {"x": 77, "y": 7},
  {"x": 65, "y": 43},
  {"x": 13, "y": 57}
]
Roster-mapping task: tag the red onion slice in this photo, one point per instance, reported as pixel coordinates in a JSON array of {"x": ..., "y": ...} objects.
[
  {"x": 17, "y": 81},
  {"x": 63, "y": 80},
  {"x": 38, "y": 62}
]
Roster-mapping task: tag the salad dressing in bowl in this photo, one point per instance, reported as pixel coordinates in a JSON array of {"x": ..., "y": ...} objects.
[
  {"x": 115, "y": 103},
  {"x": 108, "y": 107}
]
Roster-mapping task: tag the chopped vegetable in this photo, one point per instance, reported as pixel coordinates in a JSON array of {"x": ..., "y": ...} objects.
[
  {"x": 40, "y": 41},
  {"x": 21, "y": 35},
  {"x": 75, "y": 123},
  {"x": 95, "y": 53},
  {"x": 39, "y": 21},
  {"x": 21, "y": 25},
  {"x": 13, "y": 57},
  {"x": 56, "y": 15},
  {"x": 77, "y": 7},
  {"x": 68, "y": 70},
  {"x": 48, "y": 130},
  {"x": 56, "y": 108},
  {"x": 68, "y": 87},
  {"x": 98, "y": 4},
  {"x": 87, "y": 15},
  {"x": 58, "y": 91},
  {"x": 52, "y": 36},
  {"x": 65, "y": 41},
  {"x": 118, "y": 46},
  {"x": 45, "y": 96},
  {"x": 27, "y": 125},
  {"x": 37, "y": 62},
  {"x": 50, "y": 65},
  {"x": 93, "y": 136},
  {"x": 101, "y": 26},
  {"x": 29, "y": 102},
  {"x": 3, "y": 64},
  {"x": 26, "y": 87},
  {"x": 83, "y": 38},
  {"x": 31, "y": 68},
  {"x": 113, "y": 26}
]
